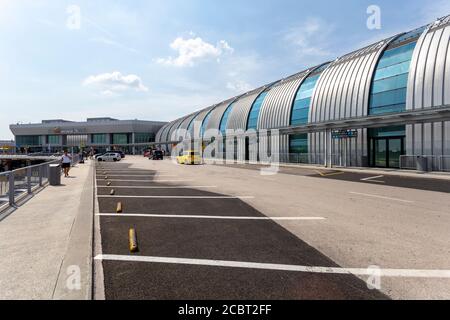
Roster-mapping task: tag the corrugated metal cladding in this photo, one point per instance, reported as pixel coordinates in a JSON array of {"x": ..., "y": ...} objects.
[
  {"x": 341, "y": 92},
  {"x": 343, "y": 89},
  {"x": 185, "y": 124},
  {"x": 195, "y": 131},
  {"x": 276, "y": 111},
  {"x": 428, "y": 81},
  {"x": 217, "y": 113},
  {"x": 277, "y": 106},
  {"x": 429, "y": 87},
  {"x": 238, "y": 117},
  {"x": 172, "y": 131}
]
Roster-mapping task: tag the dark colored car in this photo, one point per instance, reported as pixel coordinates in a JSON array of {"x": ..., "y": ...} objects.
[
  {"x": 121, "y": 154},
  {"x": 157, "y": 155}
]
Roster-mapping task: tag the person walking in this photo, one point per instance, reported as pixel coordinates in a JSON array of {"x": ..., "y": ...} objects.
[{"x": 66, "y": 161}]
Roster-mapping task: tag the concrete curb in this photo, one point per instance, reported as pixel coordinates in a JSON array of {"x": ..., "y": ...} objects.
[{"x": 78, "y": 258}]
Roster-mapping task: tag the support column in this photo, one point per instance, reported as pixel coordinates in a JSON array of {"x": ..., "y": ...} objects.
[
  {"x": 133, "y": 141},
  {"x": 328, "y": 151}
]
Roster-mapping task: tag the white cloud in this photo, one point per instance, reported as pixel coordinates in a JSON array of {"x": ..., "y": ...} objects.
[
  {"x": 111, "y": 84},
  {"x": 311, "y": 38},
  {"x": 193, "y": 50}
]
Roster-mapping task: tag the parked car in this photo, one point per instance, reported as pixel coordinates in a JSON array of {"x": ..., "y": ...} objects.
[
  {"x": 157, "y": 155},
  {"x": 122, "y": 155},
  {"x": 110, "y": 156},
  {"x": 98, "y": 155},
  {"x": 190, "y": 157}
]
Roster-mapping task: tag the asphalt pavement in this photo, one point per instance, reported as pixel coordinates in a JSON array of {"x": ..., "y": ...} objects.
[{"x": 195, "y": 243}]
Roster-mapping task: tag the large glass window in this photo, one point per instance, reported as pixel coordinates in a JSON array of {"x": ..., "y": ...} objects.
[
  {"x": 300, "y": 110},
  {"x": 205, "y": 123},
  {"x": 53, "y": 139},
  {"x": 99, "y": 138},
  {"x": 224, "y": 121},
  {"x": 144, "y": 137},
  {"x": 298, "y": 143},
  {"x": 23, "y": 141},
  {"x": 388, "y": 92},
  {"x": 120, "y": 138},
  {"x": 253, "y": 116}
]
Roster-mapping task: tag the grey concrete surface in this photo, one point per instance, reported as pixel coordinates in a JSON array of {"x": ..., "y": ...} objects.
[
  {"x": 46, "y": 235},
  {"x": 366, "y": 224}
]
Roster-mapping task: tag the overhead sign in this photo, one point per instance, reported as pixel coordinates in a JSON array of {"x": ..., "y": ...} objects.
[{"x": 344, "y": 134}]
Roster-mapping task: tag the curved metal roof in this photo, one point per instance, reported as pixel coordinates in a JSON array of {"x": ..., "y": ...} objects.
[
  {"x": 217, "y": 113},
  {"x": 428, "y": 81},
  {"x": 343, "y": 89},
  {"x": 277, "y": 106}
]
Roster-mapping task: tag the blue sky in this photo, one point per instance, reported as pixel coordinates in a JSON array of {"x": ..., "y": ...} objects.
[{"x": 159, "y": 60}]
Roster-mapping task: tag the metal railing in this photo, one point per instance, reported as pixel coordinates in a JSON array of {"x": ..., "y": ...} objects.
[
  {"x": 17, "y": 184},
  {"x": 444, "y": 163}
]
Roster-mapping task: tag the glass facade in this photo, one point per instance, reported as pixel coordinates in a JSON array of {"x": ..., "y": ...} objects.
[
  {"x": 205, "y": 123},
  {"x": 300, "y": 110},
  {"x": 302, "y": 102},
  {"x": 99, "y": 138},
  {"x": 53, "y": 139},
  {"x": 252, "y": 122},
  {"x": 144, "y": 137},
  {"x": 224, "y": 121},
  {"x": 388, "y": 92},
  {"x": 120, "y": 138},
  {"x": 23, "y": 141},
  {"x": 298, "y": 143}
]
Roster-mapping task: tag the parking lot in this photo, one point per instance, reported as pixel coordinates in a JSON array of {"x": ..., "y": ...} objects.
[
  {"x": 215, "y": 232},
  {"x": 188, "y": 235}
]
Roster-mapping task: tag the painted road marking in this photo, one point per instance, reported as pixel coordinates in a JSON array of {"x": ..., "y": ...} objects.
[
  {"x": 121, "y": 180},
  {"x": 381, "y": 197},
  {"x": 325, "y": 174},
  {"x": 205, "y": 217},
  {"x": 178, "y": 197},
  {"x": 135, "y": 175},
  {"x": 372, "y": 179},
  {"x": 159, "y": 187},
  {"x": 407, "y": 273}
]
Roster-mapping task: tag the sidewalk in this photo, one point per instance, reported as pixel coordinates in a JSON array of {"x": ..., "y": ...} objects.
[
  {"x": 369, "y": 170},
  {"x": 46, "y": 243}
]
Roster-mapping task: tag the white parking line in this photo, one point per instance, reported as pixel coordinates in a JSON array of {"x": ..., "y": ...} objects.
[
  {"x": 157, "y": 187},
  {"x": 381, "y": 197},
  {"x": 406, "y": 273},
  {"x": 184, "y": 180},
  {"x": 178, "y": 197},
  {"x": 135, "y": 175},
  {"x": 205, "y": 217},
  {"x": 372, "y": 179}
]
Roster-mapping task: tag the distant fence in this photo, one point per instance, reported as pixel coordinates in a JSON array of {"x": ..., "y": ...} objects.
[{"x": 17, "y": 184}]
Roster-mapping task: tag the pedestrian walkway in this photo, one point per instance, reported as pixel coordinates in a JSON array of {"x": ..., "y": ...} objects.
[{"x": 47, "y": 241}]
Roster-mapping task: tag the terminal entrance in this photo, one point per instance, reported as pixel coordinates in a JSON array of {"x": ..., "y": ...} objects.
[{"x": 386, "y": 146}]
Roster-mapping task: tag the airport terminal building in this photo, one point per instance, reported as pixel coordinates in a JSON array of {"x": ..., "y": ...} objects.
[
  {"x": 101, "y": 134},
  {"x": 386, "y": 105}
]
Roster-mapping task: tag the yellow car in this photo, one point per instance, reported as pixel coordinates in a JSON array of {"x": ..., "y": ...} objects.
[{"x": 190, "y": 157}]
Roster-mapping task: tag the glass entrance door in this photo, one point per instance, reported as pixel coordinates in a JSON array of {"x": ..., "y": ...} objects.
[
  {"x": 395, "y": 150},
  {"x": 386, "y": 152},
  {"x": 380, "y": 153}
]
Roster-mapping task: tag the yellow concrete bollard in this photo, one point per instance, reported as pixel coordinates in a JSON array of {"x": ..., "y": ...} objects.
[
  {"x": 112, "y": 192},
  {"x": 119, "y": 207},
  {"x": 133, "y": 240}
]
